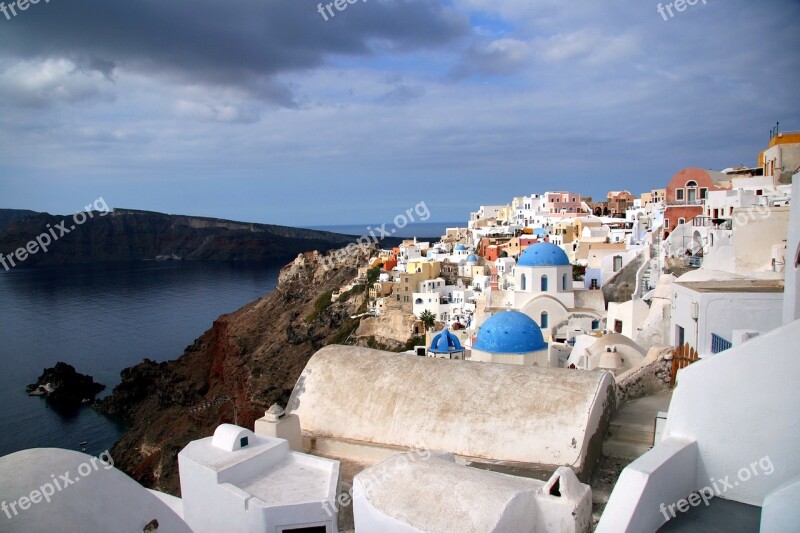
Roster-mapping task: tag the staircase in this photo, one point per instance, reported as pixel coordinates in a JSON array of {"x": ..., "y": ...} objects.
[
  {"x": 651, "y": 272},
  {"x": 631, "y": 430}
]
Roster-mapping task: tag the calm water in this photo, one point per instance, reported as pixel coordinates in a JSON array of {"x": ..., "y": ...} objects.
[{"x": 101, "y": 319}]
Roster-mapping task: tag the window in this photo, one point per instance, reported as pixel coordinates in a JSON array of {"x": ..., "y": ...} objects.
[
  {"x": 691, "y": 183},
  {"x": 703, "y": 193},
  {"x": 243, "y": 442},
  {"x": 666, "y": 222},
  {"x": 564, "y": 282},
  {"x": 681, "y": 221},
  {"x": 418, "y": 301},
  {"x": 679, "y": 194},
  {"x": 595, "y": 324},
  {"x": 544, "y": 283},
  {"x": 523, "y": 283},
  {"x": 617, "y": 263},
  {"x": 680, "y": 336},
  {"x": 618, "y": 326},
  {"x": 544, "y": 320}
]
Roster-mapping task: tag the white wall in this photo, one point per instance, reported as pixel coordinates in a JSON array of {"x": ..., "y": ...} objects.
[
  {"x": 721, "y": 313},
  {"x": 737, "y": 406},
  {"x": 731, "y": 418},
  {"x": 791, "y": 301}
]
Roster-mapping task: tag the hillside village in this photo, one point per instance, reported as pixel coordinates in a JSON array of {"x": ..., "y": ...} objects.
[
  {"x": 570, "y": 365},
  {"x": 583, "y": 270}
]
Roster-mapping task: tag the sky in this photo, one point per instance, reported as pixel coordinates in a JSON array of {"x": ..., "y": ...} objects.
[{"x": 264, "y": 111}]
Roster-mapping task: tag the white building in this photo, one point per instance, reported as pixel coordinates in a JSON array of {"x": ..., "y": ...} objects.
[
  {"x": 543, "y": 285},
  {"x": 626, "y": 317},
  {"x": 240, "y": 481},
  {"x": 706, "y": 313},
  {"x": 729, "y": 446},
  {"x": 613, "y": 353},
  {"x": 233, "y": 481},
  {"x": 446, "y": 496},
  {"x": 791, "y": 303}
]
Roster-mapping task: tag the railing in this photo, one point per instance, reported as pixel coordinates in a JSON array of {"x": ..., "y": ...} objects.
[
  {"x": 693, "y": 261},
  {"x": 684, "y": 202},
  {"x": 707, "y": 222},
  {"x": 718, "y": 344},
  {"x": 682, "y": 357}
]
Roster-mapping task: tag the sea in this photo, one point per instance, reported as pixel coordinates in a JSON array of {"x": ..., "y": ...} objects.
[{"x": 102, "y": 319}]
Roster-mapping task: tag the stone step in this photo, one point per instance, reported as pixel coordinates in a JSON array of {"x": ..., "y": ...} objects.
[
  {"x": 623, "y": 449},
  {"x": 636, "y": 433}
]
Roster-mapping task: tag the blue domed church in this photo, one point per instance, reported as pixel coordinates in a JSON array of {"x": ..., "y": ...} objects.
[
  {"x": 543, "y": 285},
  {"x": 445, "y": 345},
  {"x": 510, "y": 337}
]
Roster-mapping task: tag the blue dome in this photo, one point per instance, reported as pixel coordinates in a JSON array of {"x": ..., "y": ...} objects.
[
  {"x": 543, "y": 254},
  {"x": 472, "y": 258},
  {"x": 445, "y": 342},
  {"x": 460, "y": 247},
  {"x": 510, "y": 332}
]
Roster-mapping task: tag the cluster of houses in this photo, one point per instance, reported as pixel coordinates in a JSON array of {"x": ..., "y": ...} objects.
[{"x": 581, "y": 270}]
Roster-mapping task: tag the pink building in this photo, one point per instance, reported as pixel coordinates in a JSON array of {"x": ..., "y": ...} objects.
[{"x": 563, "y": 202}]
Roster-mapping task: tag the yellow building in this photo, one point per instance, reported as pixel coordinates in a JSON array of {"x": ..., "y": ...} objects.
[
  {"x": 653, "y": 197},
  {"x": 782, "y": 158},
  {"x": 565, "y": 231},
  {"x": 431, "y": 269}
]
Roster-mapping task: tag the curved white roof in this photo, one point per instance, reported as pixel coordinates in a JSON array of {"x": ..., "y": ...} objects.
[
  {"x": 533, "y": 415},
  {"x": 87, "y": 495}
]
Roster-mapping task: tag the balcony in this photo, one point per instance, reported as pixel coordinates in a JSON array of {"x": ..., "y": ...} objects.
[
  {"x": 677, "y": 203},
  {"x": 713, "y": 223}
]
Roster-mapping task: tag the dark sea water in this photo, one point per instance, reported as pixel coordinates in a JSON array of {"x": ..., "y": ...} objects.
[{"x": 102, "y": 319}]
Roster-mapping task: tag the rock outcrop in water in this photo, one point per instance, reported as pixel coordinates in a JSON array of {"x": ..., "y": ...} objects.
[
  {"x": 247, "y": 361},
  {"x": 64, "y": 387},
  {"x": 131, "y": 235}
]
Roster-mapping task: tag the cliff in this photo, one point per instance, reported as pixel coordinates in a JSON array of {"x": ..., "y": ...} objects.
[
  {"x": 131, "y": 235},
  {"x": 247, "y": 360}
]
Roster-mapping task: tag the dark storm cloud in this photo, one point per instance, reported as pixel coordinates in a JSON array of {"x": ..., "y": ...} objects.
[{"x": 242, "y": 44}]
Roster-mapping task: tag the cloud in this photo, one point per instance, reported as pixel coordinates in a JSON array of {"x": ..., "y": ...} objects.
[
  {"x": 246, "y": 44},
  {"x": 494, "y": 58},
  {"x": 590, "y": 46},
  {"x": 47, "y": 82},
  {"x": 215, "y": 112},
  {"x": 402, "y": 94}
]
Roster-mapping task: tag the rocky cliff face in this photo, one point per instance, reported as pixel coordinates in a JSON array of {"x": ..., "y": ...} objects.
[
  {"x": 234, "y": 372},
  {"x": 129, "y": 235}
]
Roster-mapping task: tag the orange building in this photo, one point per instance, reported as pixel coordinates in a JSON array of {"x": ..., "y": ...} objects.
[{"x": 685, "y": 194}]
